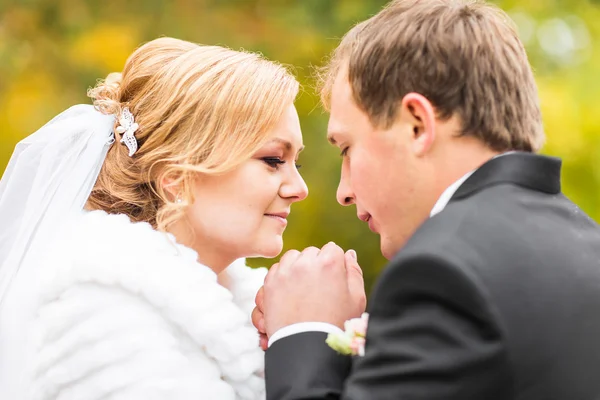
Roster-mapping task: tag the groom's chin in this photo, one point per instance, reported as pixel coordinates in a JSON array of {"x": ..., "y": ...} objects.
[
  {"x": 384, "y": 248},
  {"x": 388, "y": 247},
  {"x": 387, "y": 254}
]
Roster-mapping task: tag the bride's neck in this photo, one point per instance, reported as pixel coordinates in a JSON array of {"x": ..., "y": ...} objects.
[{"x": 209, "y": 255}]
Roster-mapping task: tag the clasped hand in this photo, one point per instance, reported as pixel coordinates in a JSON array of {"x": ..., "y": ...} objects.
[{"x": 315, "y": 285}]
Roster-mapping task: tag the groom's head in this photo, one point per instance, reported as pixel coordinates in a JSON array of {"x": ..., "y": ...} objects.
[{"x": 419, "y": 95}]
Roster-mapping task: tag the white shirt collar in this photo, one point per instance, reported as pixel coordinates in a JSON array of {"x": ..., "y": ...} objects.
[{"x": 442, "y": 202}]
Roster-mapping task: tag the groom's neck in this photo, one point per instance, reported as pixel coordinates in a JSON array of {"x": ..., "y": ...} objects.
[{"x": 458, "y": 157}]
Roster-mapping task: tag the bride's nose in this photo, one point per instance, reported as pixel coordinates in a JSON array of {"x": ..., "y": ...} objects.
[{"x": 294, "y": 187}]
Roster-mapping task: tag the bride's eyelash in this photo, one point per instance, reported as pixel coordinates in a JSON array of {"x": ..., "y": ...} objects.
[
  {"x": 273, "y": 162},
  {"x": 344, "y": 152}
]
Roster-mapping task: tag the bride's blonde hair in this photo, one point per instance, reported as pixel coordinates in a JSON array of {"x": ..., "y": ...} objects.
[{"x": 199, "y": 108}]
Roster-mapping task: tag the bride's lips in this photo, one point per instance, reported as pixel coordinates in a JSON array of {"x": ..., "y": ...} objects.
[{"x": 281, "y": 217}]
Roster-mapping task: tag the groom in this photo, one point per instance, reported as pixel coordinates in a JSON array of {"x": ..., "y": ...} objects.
[{"x": 493, "y": 288}]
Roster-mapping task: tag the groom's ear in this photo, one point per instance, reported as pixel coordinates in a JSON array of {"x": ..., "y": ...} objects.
[{"x": 419, "y": 113}]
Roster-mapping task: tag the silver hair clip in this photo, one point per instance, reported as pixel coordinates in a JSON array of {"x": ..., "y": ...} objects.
[{"x": 127, "y": 128}]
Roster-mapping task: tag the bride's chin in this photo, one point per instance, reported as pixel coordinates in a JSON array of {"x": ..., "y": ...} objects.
[{"x": 272, "y": 249}]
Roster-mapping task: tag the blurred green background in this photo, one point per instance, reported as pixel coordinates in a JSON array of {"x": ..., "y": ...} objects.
[{"x": 51, "y": 51}]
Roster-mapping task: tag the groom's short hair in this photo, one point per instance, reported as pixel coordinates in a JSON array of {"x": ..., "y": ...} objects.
[{"x": 463, "y": 56}]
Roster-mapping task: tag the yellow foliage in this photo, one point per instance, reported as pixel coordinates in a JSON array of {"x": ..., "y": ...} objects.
[
  {"x": 562, "y": 118},
  {"x": 104, "y": 47},
  {"x": 27, "y": 104}
]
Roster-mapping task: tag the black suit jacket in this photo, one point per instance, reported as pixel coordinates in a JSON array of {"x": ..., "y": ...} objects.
[{"x": 495, "y": 298}]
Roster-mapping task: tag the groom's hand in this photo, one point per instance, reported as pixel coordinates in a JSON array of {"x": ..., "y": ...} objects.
[{"x": 313, "y": 286}]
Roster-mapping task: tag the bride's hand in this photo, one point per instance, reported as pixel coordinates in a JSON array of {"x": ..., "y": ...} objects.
[{"x": 258, "y": 319}]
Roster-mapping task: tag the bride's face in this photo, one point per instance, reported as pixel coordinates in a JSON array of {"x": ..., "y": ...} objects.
[{"x": 243, "y": 213}]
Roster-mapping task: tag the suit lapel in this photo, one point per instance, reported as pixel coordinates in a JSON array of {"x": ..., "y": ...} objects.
[{"x": 535, "y": 172}]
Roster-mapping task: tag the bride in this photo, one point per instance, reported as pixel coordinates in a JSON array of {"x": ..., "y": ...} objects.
[{"x": 125, "y": 226}]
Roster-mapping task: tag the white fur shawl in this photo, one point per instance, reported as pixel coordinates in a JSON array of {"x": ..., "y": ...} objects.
[{"x": 126, "y": 313}]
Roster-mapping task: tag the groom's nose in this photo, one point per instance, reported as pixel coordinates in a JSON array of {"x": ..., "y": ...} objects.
[{"x": 344, "y": 194}]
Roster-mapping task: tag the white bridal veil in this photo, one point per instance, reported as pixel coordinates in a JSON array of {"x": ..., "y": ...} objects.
[{"x": 49, "y": 178}]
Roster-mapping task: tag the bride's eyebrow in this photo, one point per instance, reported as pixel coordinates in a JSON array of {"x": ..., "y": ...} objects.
[{"x": 286, "y": 143}]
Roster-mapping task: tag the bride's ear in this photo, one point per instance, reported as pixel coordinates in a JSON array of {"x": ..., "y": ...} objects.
[
  {"x": 419, "y": 113},
  {"x": 171, "y": 187}
]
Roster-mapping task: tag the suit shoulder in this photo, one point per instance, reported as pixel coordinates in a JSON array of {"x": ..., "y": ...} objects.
[
  {"x": 428, "y": 276},
  {"x": 500, "y": 216}
]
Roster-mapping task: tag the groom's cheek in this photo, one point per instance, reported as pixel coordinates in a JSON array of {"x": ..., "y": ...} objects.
[{"x": 365, "y": 178}]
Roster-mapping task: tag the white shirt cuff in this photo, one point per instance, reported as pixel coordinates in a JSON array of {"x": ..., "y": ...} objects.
[{"x": 303, "y": 327}]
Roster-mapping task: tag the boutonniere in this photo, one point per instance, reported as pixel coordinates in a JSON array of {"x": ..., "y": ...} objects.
[{"x": 352, "y": 340}]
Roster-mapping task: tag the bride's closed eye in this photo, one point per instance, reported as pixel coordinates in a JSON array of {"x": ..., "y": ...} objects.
[
  {"x": 275, "y": 162},
  {"x": 344, "y": 151}
]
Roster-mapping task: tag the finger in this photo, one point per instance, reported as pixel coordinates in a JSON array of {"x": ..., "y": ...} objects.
[
  {"x": 264, "y": 341},
  {"x": 272, "y": 272},
  {"x": 352, "y": 261},
  {"x": 332, "y": 248},
  {"x": 258, "y": 320},
  {"x": 331, "y": 254},
  {"x": 310, "y": 252},
  {"x": 298, "y": 259},
  {"x": 356, "y": 283},
  {"x": 306, "y": 259},
  {"x": 289, "y": 257},
  {"x": 260, "y": 298}
]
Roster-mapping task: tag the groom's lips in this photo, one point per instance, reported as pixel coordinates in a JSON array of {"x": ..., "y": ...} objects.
[
  {"x": 366, "y": 217},
  {"x": 372, "y": 226}
]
